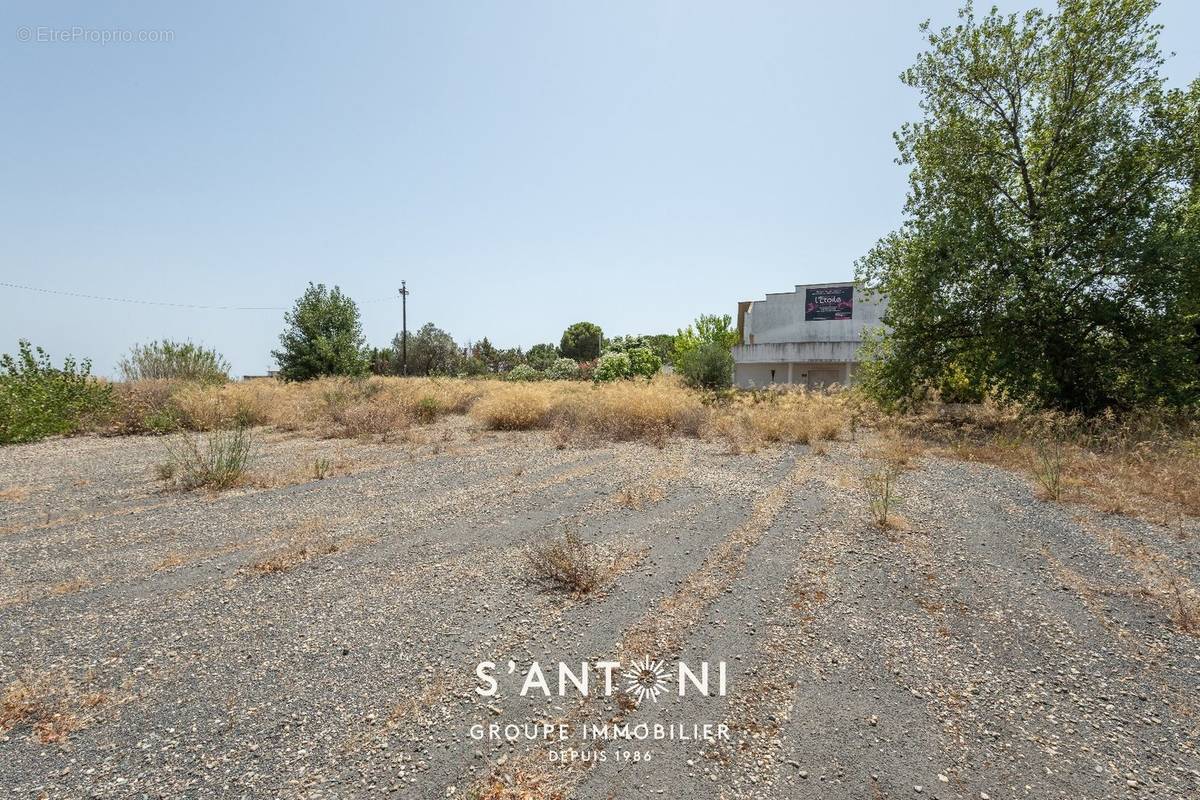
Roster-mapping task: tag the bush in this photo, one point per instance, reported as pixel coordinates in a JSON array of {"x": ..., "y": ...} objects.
[
  {"x": 39, "y": 400},
  {"x": 523, "y": 372},
  {"x": 219, "y": 465},
  {"x": 644, "y": 362},
  {"x": 167, "y": 359},
  {"x": 707, "y": 366},
  {"x": 611, "y": 367},
  {"x": 564, "y": 369},
  {"x": 569, "y": 562},
  {"x": 146, "y": 407}
]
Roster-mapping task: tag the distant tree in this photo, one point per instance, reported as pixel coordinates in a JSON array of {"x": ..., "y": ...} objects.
[
  {"x": 382, "y": 361},
  {"x": 472, "y": 366},
  {"x": 431, "y": 351},
  {"x": 581, "y": 341},
  {"x": 541, "y": 356},
  {"x": 181, "y": 360},
  {"x": 661, "y": 344},
  {"x": 1052, "y": 227},
  {"x": 323, "y": 337},
  {"x": 509, "y": 358},
  {"x": 485, "y": 351},
  {"x": 707, "y": 329},
  {"x": 623, "y": 344},
  {"x": 709, "y": 365}
]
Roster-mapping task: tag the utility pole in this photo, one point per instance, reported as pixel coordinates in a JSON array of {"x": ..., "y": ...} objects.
[{"x": 404, "y": 325}]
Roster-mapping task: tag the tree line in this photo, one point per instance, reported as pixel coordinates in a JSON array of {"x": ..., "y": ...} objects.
[{"x": 323, "y": 336}]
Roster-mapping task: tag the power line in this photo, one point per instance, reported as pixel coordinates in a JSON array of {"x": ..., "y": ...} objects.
[{"x": 163, "y": 303}]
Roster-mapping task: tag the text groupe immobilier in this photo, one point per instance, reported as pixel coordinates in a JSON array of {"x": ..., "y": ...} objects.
[{"x": 641, "y": 731}]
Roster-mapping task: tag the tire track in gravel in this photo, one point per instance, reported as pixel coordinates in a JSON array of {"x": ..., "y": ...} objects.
[
  {"x": 661, "y": 630},
  {"x": 121, "y": 550},
  {"x": 442, "y": 579}
]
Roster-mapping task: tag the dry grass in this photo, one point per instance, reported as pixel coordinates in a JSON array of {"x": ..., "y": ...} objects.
[
  {"x": 515, "y": 407},
  {"x": 521, "y": 783},
  {"x": 14, "y": 494},
  {"x": 637, "y": 496},
  {"x": 219, "y": 464},
  {"x": 650, "y": 411},
  {"x": 1145, "y": 464},
  {"x": 169, "y": 561},
  {"x": 48, "y": 704},
  {"x": 570, "y": 563},
  {"x": 310, "y": 540},
  {"x": 578, "y": 567},
  {"x": 70, "y": 586}
]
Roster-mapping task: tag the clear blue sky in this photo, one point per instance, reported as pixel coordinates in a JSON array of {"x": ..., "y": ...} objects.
[{"x": 523, "y": 165}]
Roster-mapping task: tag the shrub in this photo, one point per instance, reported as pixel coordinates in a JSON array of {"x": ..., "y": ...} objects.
[
  {"x": 220, "y": 464},
  {"x": 568, "y": 562},
  {"x": 881, "y": 495},
  {"x": 564, "y": 369},
  {"x": 428, "y": 409},
  {"x": 611, "y": 367},
  {"x": 523, "y": 372},
  {"x": 39, "y": 400},
  {"x": 707, "y": 366},
  {"x": 167, "y": 359},
  {"x": 643, "y": 362},
  {"x": 145, "y": 407}
]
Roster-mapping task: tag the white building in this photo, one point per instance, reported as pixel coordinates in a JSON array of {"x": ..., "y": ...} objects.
[{"x": 810, "y": 337}]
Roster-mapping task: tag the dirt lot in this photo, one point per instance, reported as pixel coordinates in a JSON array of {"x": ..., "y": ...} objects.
[{"x": 319, "y": 638}]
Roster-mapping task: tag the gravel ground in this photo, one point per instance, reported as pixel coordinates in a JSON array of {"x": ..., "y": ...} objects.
[{"x": 993, "y": 645}]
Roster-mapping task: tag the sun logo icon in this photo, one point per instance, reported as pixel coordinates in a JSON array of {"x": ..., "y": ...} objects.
[{"x": 646, "y": 678}]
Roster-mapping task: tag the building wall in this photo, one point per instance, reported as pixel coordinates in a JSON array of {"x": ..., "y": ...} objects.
[
  {"x": 812, "y": 375},
  {"x": 774, "y": 334},
  {"x": 780, "y": 318}
]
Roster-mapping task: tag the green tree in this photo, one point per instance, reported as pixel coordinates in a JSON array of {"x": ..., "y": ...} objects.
[
  {"x": 707, "y": 329},
  {"x": 709, "y": 365},
  {"x": 381, "y": 361},
  {"x": 582, "y": 341},
  {"x": 431, "y": 351},
  {"x": 323, "y": 337},
  {"x": 1049, "y": 247},
  {"x": 486, "y": 352},
  {"x": 541, "y": 356}
]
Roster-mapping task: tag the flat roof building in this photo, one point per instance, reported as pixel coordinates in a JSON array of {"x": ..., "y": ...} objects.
[{"x": 809, "y": 337}]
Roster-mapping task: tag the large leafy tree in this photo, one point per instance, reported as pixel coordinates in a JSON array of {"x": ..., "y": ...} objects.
[
  {"x": 713, "y": 329},
  {"x": 323, "y": 337},
  {"x": 431, "y": 351},
  {"x": 541, "y": 356},
  {"x": 582, "y": 341},
  {"x": 1049, "y": 249}
]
